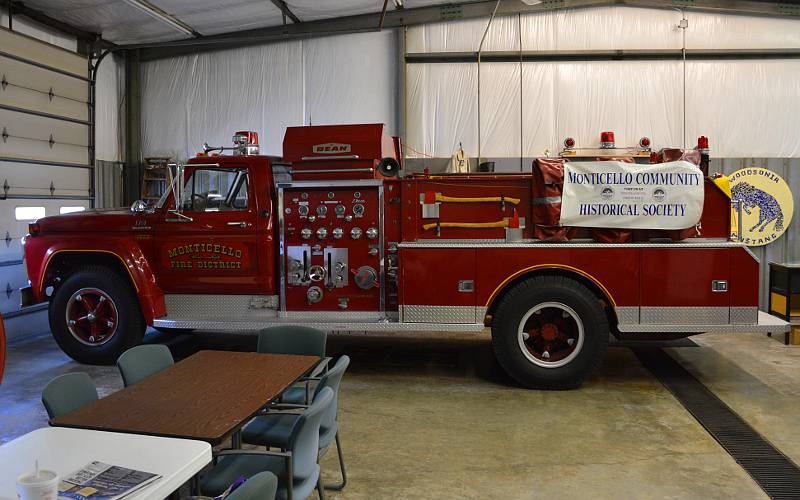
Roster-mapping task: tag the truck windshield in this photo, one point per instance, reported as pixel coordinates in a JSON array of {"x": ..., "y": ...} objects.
[{"x": 216, "y": 190}]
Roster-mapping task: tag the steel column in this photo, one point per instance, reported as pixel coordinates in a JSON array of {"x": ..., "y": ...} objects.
[{"x": 132, "y": 171}]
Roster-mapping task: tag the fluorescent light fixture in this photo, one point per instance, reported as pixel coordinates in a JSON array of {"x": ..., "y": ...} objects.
[{"x": 162, "y": 16}]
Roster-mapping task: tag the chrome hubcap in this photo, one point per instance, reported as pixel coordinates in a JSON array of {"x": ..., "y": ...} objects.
[
  {"x": 92, "y": 317},
  {"x": 550, "y": 334}
]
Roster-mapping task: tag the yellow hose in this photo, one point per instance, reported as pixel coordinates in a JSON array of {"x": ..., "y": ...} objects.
[
  {"x": 467, "y": 225},
  {"x": 451, "y": 199}
]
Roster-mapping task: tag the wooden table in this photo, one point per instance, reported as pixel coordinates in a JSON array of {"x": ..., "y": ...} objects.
[
  {"x": 207, "y": 396},
  {"x": 65, "y": 451}
]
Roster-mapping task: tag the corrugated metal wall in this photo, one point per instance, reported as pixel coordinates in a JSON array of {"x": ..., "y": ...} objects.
[{"x": 787, "y": 247}]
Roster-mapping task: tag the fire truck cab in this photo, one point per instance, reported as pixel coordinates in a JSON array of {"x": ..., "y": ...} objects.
[{"x": 331, "y": 236}]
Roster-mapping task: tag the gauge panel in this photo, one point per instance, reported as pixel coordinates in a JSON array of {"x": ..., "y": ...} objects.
[{"x": 329, "y": 236}]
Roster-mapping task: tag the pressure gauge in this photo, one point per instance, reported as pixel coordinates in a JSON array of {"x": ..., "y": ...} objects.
[
  {"x": 372, "y": 233},
  {"x": 358, "y": 209},
  {"x": 322, "y": 210},
  {"x": 338, "y": 233},
  {"x": 304, "y": 196},
  {"x": 355, "y": 233},
  {"x": 302, "y": 210},
  {"x": 331, "y": 195},
  {"x": 340, "y": 209},
  {"x": 322, "y": 233},
  {"x": 305, "y": 233}
]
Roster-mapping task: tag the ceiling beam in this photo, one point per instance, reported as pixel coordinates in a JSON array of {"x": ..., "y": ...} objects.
[
  {"x": 439, "y": 13},
  {"x": 286, "y": 11}
]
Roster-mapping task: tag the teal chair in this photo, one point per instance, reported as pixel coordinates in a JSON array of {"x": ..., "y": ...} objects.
[
  {"x": 291, "y": 339},
  {"x": 68, "y": 392},
  {"x": 274, "y": 429},
  {"x": 262, "y": 486},
  {"x": 296, "y": 467},
  {"x": 142, "y": 361}
]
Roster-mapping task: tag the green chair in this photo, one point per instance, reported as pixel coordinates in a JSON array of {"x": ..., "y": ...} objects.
[
  {"x": 262, "y": 486},
  {"x": 291, "y": 339},
  {"x": 297, "y": 468},
  {"x": 142, "y": 361},
  {"x": 274, "y": 429},
  {"x": 68, "y": 392}
]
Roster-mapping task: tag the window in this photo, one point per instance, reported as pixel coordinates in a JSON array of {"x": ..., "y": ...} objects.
[
  {"x": 29, "y": 213},
  {"x": 216, "y": 190},
  {"x": 69, "y": 210}
]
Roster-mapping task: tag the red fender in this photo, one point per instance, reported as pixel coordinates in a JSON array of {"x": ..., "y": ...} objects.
[{"x": 41, "y": 250}]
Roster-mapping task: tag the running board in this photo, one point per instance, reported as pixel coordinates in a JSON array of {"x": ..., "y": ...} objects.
[
  {"x": 767, "y": 323},
  {"x": 354, "y": 325}
]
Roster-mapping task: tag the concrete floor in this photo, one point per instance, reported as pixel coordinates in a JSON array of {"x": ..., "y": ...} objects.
[{"x": 435, "y": 417}]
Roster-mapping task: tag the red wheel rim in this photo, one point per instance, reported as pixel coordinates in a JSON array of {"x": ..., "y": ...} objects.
[
  {"x": 550, "y": 334},
  {"x": 91, "y": 316}
]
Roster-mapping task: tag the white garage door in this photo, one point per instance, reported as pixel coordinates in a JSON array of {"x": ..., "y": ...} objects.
[{"x": 44, "y": 155}]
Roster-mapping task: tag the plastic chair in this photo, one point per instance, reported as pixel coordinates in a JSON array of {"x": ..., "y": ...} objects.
[
  {"x": 291, "y": 339},
  {"x": 297, "y": 468},
  {"x": 142, "y": 361},
  {"x": 274, "y": 428},
  {"x": 67, "y": 393},
  {"x": 262, "y": 486}
]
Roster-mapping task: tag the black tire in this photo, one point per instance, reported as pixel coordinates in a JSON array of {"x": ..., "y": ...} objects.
[
  {"x": 130, "y": 323},
  {"x": 524, "y": 297}
]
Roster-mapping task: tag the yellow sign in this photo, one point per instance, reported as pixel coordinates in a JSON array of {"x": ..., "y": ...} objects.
[{"x": 766, "y": 205}]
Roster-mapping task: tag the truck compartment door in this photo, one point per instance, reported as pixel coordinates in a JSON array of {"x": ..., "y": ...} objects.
[
  {"x": 437, "y": 285},
  {"x": 685, "y": 286}
]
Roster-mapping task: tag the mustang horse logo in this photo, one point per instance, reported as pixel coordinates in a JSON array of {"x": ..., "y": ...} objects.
[{"x": 751, "y": 197}]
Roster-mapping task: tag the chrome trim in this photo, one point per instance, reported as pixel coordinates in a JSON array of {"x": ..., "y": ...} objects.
[
  {"x": 684, "y": 315},
  {"x": 438, "y": 314},
  {"x": 380, "y": 327},
  {"x": 381, "y": 250},
  {"x": 281, "y": 253},
  {"x": 766, "y": 324},
  {"x": 330, "y": 183},
  {"x": 532, "y": 243},
  {"x": 744, "y": 315},
  {"x": 334, "y": 157},
  {"x": 220, "y": 307},
  {"x": 627, "y": 314}
]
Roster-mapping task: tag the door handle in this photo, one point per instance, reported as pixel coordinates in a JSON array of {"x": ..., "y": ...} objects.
[{"x": 240, "y": 223}]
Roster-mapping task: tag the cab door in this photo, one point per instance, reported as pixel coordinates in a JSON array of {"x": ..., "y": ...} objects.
[{"x": 211, "y": 246}]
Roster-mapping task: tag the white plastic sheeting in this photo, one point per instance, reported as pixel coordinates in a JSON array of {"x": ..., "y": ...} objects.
[
  {"x": 606, "y": 28},
  {"x": 193, "y": 99},
  {"x": 746, "y": 107},
  {"x": 110, "y": 110}
]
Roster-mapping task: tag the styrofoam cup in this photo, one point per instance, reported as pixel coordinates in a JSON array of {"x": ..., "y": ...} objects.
[{"x": 43, "y": 486}]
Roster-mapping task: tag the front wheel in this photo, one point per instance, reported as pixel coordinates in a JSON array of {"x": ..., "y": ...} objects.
[
  {"x": 549, "y": 332},
  {"x": 95, "y": 316}
]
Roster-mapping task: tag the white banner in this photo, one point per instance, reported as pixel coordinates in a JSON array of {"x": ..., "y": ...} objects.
[{"x": 615, "y": 194}]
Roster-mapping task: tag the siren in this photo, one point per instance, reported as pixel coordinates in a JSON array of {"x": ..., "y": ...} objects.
[
  {"x": 246, "y": 142},
  {"x": 607, "y": 140},
  {"x": 389, "y": 167},
  {"x": 702, "y": 144}
]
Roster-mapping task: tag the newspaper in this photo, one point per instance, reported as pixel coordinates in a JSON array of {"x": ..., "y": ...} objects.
[{"x": 100, "y": 481}]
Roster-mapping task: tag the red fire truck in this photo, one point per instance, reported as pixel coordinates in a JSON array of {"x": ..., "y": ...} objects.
[{"x": 330, "y": 235}]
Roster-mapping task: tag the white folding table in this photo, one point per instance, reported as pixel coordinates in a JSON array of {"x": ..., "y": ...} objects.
[{"x": 64, "y": 450}]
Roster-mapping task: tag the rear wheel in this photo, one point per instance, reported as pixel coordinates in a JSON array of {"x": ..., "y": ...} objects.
[
  {"x": 549, "y": 332},
  {"x": 95, "y": 316}
]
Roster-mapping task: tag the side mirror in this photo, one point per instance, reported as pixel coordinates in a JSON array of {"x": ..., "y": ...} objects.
[{"x": 139, "y": 207}]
